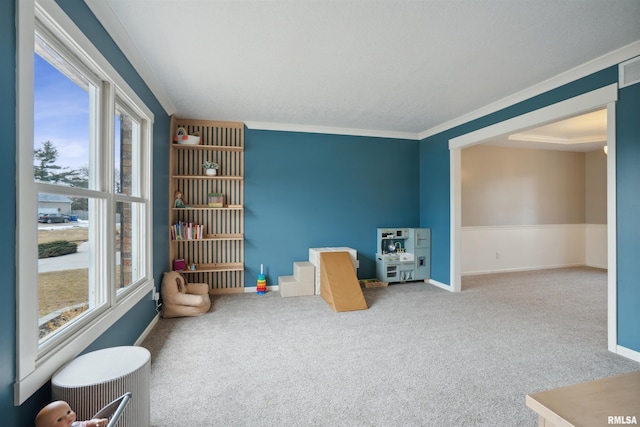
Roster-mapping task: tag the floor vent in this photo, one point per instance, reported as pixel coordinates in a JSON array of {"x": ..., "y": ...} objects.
[{"x": 629, "y": 72}]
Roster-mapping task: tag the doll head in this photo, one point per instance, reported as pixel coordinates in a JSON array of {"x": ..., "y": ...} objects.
[
  {"x": 56, "y": 414},
  {"x": 60, "y": 414}
]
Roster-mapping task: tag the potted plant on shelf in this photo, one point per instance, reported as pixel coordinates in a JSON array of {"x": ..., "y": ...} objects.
[{"x": 210, "y": 168}]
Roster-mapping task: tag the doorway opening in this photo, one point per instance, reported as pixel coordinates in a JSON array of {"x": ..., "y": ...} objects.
[
  {"x": 536, "y": 199},
  {"x": 601, "y": 98}
]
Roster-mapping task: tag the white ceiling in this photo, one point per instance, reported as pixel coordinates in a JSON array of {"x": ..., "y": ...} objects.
[{"x": 392, "y": 66}]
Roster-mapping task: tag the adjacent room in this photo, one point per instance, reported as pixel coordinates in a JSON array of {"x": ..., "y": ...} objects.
[
  {"x": 274, "y": 213},
  {"x": 537, "y": 199}
]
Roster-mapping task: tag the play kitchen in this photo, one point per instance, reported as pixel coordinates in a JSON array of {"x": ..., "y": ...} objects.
[{"x": 403, "y": 254}]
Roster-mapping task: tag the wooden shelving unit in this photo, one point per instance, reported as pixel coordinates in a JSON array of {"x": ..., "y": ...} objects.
[{"x": 219, "y": 255}]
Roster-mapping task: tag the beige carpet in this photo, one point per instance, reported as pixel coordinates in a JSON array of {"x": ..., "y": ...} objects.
[{"x": 419, "y": 356}]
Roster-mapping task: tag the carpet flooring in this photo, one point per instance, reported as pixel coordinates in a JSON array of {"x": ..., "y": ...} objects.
[{"x": 419, "y": 356}]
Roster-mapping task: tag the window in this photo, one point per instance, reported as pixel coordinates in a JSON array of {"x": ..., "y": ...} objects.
[
  {"x": 129, "y": 207},
  {"x": 65, "y": 108},
  {"x": 84, "y": 145}
]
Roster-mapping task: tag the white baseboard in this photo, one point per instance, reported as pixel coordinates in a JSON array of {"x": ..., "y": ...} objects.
[
  {"x": 628, "y": 353},
  {"x": 253, "y": 289},
  {"x": 147, "y": 330},
  {"x": 439, "y": 284}
]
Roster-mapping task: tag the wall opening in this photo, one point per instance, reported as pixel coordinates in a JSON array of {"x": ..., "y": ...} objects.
[{"x": 601, "y": 98}]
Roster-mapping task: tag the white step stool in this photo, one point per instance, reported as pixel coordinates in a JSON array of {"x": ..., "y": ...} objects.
[{"x": 301, "y": 283}]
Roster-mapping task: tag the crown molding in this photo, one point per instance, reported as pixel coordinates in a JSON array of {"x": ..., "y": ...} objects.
[
  {"x": 607, "y": 60},
  {"x": 114, "y": 28},
  {"x": 285, "y": 127},
  {"x": 110, "y": 22}
]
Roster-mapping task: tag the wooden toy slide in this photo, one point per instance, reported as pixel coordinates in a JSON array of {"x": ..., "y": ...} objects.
[{"x": 339, "y": 285}]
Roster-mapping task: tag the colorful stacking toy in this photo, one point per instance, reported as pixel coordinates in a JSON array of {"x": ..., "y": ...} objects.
[{"x": 262, "y": 281}]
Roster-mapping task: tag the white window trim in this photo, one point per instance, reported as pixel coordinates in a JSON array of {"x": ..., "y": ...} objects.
[{"x": 34, "y": 371}]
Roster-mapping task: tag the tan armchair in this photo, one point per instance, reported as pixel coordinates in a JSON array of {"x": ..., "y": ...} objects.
[{"x": 180, "y": 299}]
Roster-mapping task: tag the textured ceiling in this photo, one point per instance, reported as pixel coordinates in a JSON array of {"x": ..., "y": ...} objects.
[{"x": 395, "y": 66}]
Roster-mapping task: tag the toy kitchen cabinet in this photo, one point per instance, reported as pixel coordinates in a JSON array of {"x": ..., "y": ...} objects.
[{"x": 403, "y": 254}]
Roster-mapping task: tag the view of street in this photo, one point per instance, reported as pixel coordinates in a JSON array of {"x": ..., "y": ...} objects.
[
  {"x": 79, "y": 259},
  {"x": 66, "y": 262}
]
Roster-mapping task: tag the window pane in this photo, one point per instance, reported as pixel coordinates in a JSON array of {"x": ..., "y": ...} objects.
[
  {"x": 129, "y": 252},
  {"x": 62, "y": 109},
  {"x": 127, "y": 146},
  {"x": 66, "y": 285}
]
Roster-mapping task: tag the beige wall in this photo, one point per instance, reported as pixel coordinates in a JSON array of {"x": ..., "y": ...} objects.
[
  {"x": 596, "y": 187},
  {"x": 516, "y": 186}
]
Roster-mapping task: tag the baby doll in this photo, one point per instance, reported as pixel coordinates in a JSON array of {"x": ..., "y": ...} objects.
[
  {"x": 178, "y": 203},
  {"x": 59, "y": 414}
]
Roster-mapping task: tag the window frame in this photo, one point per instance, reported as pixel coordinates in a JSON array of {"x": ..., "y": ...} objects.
[{"x": 36, "y": 364}]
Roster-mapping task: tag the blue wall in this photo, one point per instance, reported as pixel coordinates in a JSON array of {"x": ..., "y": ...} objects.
[
  {"x": 435, "y": 204},
  {"x": 628, "y": 211},
  {"x": 306, "y": 190},
  {"x": 435, "y": 200},
  {"x": 131, "y": 326},
  {"x": 8, "y": 214},
  {"x": 91, "y": 27}
]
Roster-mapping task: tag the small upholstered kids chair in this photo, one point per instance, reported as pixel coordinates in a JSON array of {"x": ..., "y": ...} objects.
[{"x": 180, "y": 299}]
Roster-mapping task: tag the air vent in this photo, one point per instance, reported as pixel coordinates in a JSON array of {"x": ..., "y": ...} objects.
[{"x": 629, "y": 72}]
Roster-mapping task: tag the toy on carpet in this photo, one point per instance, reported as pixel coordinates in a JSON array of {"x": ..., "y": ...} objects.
[{"x": 261, "y": 288}]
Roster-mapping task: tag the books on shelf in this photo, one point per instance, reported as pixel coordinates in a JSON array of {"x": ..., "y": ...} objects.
[
  {"x": 216, "y": 200},
  {"x": 187, "y": 231}
]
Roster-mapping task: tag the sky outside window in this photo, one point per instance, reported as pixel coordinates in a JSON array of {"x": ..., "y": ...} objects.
[{"x": 61, "y": 115}]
